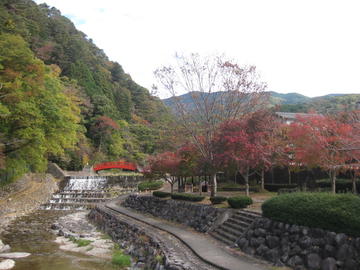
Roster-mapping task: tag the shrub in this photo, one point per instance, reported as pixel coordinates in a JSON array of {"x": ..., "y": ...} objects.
[
  {"x": 239, "y": 201},
  {"x": 229, "y": 186},
  {"x": 276, "y": 187},
  {"x": 334, "y": 212},
  {"x": 187, "y": 197},
  {"x": 80, "y": 242},
  {"x": 150, "y": 185},
  {"x": 342, "y": 185},
  {"x": 121, "y": 259},
  {"x": 287, "y": 190},
  {"x": 161, "y": 194},
  {"x": 218, "y": 199}
]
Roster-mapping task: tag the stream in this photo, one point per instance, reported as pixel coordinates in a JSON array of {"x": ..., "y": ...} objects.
[{"x": 32, "y": 234}]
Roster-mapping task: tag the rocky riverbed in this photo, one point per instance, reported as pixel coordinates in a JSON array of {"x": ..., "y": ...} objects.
[
  {"x": 33, "y": 234},
  {"x": 76, "y": 234}
]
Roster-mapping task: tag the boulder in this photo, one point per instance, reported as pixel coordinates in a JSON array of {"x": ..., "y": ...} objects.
[
  {"x": 313, "y": 261},
  {"x": 7, "y": 264},
  {"x": 329, "y": 264},
  {"x": 14, "y": 255}
]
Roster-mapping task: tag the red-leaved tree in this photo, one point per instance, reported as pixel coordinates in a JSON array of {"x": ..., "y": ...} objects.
[
  {"x": 319, "y": 141},
  {"x": 247, "y": 144},
  {"x": 165, "y": 165}
]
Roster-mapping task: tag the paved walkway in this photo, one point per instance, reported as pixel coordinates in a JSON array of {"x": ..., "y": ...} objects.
[{"x": 207, "y": 248}]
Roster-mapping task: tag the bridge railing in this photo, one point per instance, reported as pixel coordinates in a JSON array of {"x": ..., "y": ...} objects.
[{"x": 115, "y": 165}]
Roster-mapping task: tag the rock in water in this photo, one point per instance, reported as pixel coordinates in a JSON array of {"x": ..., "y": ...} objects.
[
  {"x": 3, "y": 247},
  {"x": 14, "y": 255},
  {"x": 7, "y": 264}
]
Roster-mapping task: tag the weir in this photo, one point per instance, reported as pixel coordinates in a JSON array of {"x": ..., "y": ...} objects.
[{"x": 85, "y": 192}]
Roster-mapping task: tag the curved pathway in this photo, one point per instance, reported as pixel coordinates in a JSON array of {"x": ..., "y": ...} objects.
[{"x": 194, "y": 247}]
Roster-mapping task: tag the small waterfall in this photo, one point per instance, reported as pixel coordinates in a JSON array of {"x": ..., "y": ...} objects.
[
  {"x": 86, "y": 183},
  {"x": 80, "y": 193}
]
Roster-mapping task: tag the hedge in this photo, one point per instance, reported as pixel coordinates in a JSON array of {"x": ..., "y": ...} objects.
[
  {"x": 150, "y": 185},
  {"x": 229, "y": 186},
  {"x": 218, "y": 199},
  {"x": 333, "y": 212},
  {"x": 276, "y": 187},
  {"x": 342, "y": 185},
  {"x": 187, "y": 197},
  {"x": 161, "y": 194},
  {"x": 239, "y": 201}
]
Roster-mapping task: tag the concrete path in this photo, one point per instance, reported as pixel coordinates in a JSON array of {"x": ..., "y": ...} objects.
[{"x": 205, "y": 247}]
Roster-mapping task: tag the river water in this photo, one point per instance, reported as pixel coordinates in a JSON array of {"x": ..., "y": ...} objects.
[{"x": 32, "y": 234}]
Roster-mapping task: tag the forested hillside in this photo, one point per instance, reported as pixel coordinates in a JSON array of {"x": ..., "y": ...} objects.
[
  {"x": 62, "y": 99},
  {"x": 294, "y": 102}
]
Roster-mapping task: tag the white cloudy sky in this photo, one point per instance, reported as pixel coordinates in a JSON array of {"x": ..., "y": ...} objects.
[{"x": 306, "y": 46}]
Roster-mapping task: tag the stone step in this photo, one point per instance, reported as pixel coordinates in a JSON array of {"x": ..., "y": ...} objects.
[
  {"x": 250, "y": 214},
  {"x": 80, "y": 195},
  {"x": 239, "y": 222},
  {"x": 226, "y": 235},
  {"x": 236, "y": 226},
  {"x": 221, "y": 238},
  {"x": 243, "y": 219},
  {"x": 78, "y": 200},
  {"x": 67, "y": 206},
  {"x": 231, "y": 230}
]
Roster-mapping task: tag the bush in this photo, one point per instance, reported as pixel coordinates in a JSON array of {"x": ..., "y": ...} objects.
[
  {"x": 334, "y": 212},
  {"x": 229, "y": 186},
  {"x": 187, "y": 197},
  {"x": 287, "y": 190},
  {"x": 218, "y": 199},
  {"x": 121, "y": 259},
  {"x": 150, "y": 185},
  {"x": 239, "y": 201},
  {"x": 276, "y": 187},
  {"x": 161, "y": 194},
  {"x": 342, "y": 185}
]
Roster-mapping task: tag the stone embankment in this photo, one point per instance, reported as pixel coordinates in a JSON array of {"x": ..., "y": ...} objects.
[
  {"x": 300, "y": 247},
  {"x": 202, "y": 218},
  {"x": 151, "y": 247},
  {"x": 25, "y": 195}
]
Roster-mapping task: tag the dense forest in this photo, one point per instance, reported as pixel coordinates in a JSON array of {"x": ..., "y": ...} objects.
[{"x": 63, "y": 100}]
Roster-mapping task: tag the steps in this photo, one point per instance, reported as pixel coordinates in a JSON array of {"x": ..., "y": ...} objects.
[
  {"x": 234, "y": 227},
  {"x": 82, "y": 193}
]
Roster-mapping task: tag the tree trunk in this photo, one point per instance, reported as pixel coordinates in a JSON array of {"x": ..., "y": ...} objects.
[
  {"x": 172, "y": 187},
  {"x": 246, "y": 178},
  {"x": 262, "y": 180},
  {"x": 353, "y": 178},
  {"x": 213, "y": 185},
  {"x": 289, "y": 175},
  {"x": 333, "y": 180},
  {"x": 200, "y": 187}
]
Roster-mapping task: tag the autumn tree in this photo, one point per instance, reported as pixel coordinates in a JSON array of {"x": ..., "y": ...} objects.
[
  {"x": 247, "y": 144},
  {"x": 319, "y": 141},
  {"x": 165, "y": 165},
  {"x": 218, "y": 90}
]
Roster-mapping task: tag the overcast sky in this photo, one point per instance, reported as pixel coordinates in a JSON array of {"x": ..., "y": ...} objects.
[{"x": 307, "y": 46}]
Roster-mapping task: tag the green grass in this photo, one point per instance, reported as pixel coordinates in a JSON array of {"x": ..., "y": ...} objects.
[
  {"x": 80, "y": 242},
  {"x": 121, "y": 259}
]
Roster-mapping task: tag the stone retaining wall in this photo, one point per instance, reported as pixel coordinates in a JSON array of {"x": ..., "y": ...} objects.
[
  {"x": 202, "y": 218},
  {"x": 124, "y": 181},
  {"x": 300, "y": 247},
  {"x": 133, "y": 240}
]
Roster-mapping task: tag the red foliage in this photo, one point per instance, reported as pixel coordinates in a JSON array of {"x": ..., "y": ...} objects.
[
  {"x": 106, "y": 123},
  {"x": 320, "y": 141}
]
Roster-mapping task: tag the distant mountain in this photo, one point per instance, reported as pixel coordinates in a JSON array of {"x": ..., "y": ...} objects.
[{"x": 295, "y": 102}]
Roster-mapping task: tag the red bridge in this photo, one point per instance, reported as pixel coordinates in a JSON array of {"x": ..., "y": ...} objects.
[{"x": 115, "y": 165}]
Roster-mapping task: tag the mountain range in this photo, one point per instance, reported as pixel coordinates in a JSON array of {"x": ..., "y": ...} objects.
[{"x": 295, "y": 102}]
